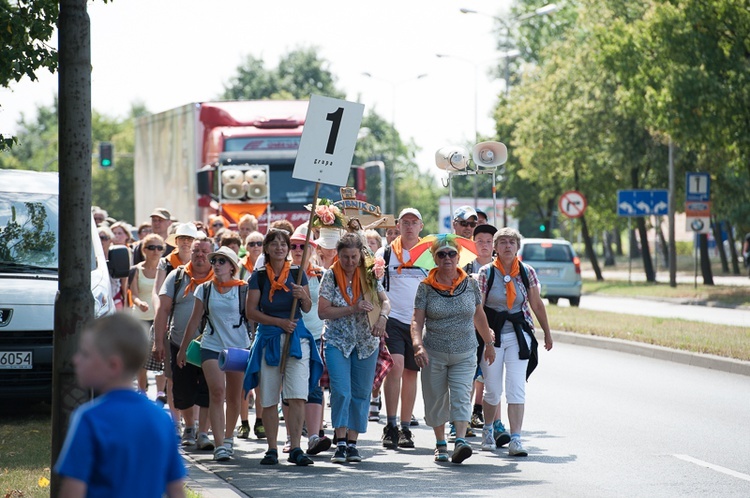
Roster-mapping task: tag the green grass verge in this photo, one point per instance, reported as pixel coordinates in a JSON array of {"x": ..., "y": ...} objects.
[
  {"x": 698, "y": 337},
  {"x": 25, "y": 453},
  {"x": 727, "y": 296}
]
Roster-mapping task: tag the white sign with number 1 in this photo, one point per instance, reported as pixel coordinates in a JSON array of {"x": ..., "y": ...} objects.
[{"x": 328, "y": 140}]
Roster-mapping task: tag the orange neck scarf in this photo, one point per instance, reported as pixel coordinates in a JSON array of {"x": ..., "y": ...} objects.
[
  {"x": 431, "y": 280},
  {"x": 280, "y": 282},
  {"x": 341, "y": 280},
  {"x": 230, "y": 283},
  {"x": 398, "y": 250},
  {"x": 312, "y": 271},
  {"x": 246, "y": 263},
  {"x": 174, "y": 258},
  {"x": 194, "y": 282},
  {"x": 510, "y": 287}
]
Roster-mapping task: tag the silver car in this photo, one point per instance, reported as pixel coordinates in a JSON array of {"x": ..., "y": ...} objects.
[{"x": 556, "y": 265}]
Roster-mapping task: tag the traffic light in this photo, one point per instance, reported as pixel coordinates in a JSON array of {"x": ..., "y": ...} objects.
[
  {"x": 542, "y": 228},
  {"x": 106, "y": 154}
]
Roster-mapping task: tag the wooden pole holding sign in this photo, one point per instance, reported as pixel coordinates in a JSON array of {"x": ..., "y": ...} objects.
[{"x": 325, "y": 155}]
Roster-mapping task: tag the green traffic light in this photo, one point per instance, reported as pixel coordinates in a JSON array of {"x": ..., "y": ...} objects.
[
  {"x": 106, "y": 162},
  {"x": 542, "y": 228}
]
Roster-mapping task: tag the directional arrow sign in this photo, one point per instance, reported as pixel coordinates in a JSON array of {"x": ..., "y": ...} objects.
[{"x": 642, "y": 202}]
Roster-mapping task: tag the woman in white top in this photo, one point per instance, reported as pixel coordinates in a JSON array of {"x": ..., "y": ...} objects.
[{"x": 225, "y": 328}]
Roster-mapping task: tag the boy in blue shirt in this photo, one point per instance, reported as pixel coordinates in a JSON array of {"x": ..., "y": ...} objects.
[{"x": 121, "y": 443}]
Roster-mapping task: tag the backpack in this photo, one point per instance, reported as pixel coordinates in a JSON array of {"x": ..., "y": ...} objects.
[
  {"x": 521, "y": 270},
  {"x": 206, "y": 320}
]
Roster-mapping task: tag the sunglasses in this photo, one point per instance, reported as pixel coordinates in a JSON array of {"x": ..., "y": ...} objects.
[
  {"x": 155, "y": 248},
  {"x": 294, "y": 247},
  {"x": 446, "y": 254},
  {"x": 218, "y": 261},
  {"x": 254, "y": 244},
  {"x": 218, "y": 225},
  {"x": 103, "y": 237},
  {"x": 465, "y": 224}
]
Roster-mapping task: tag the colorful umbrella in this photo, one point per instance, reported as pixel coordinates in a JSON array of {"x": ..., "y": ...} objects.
[{"x": 422, "y": 256}]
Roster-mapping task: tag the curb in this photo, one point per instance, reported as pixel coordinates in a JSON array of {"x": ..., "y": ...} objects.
[
  {"x": 201, "y": 480},
  {"x": 713, "y": 362}
]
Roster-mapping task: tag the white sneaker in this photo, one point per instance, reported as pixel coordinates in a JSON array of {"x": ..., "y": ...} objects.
[
  {"x": 515, "y": 448},
  {"x": 488, "y": 440},
  {"x": 229, "y": 445},
  {"x": 204, "y": 443},
  {"x": 188, "y": 437}
]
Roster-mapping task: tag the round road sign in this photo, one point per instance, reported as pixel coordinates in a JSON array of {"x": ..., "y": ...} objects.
[{"x": 572, "y": 204}]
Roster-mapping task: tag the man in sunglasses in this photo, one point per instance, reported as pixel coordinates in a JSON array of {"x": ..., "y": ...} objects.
[{"x": 465, "y": 221}]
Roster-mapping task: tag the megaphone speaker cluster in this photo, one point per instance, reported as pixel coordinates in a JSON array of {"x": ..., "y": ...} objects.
[
  {"x": 256, "y": 183},
  {"x": 232, "y": 187},
  {"x": 489, "y": 154},
  {"x": 451, "y": 158}
]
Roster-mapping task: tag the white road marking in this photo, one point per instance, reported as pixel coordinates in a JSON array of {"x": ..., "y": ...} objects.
[{"x": 711, "y": 466}]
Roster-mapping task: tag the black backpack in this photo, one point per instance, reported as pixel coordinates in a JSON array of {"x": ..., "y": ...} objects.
[{"x": 206, "y": 320}]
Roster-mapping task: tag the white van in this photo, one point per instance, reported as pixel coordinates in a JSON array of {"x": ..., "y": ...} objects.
[{"x": 29, "y": 220}]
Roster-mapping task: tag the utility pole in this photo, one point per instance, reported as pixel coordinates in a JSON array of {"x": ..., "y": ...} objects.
[{"x": 74, "y": 304}]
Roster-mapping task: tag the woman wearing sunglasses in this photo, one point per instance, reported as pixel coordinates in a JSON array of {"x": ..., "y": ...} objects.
[
  {"x": 253, "y": 249},
  {"x": 448, "y": 306},
  {"x": 141, "y": 286},
  {"x": 224, "y": 329},
  {"x": 270, "y": 297}
]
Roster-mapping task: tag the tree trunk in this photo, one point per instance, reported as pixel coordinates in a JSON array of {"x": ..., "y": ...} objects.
[
  {"x": 732, "y": 249},
  {"x": 609, "y": 256},
  {"x": 664, "y": 246},
  {"x": 708, "y": 278},
  {"x": 648, "y": 266},
  {"x": 716, "y": 229},
  {"x": 590, "y": 253},
  {"x": 74, "y": 304},
  {"x": 635, "y": 251},
  {"x": 617, "y": 238}
]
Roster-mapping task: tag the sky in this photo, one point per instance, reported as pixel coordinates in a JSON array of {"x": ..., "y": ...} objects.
[{"x": 166, "y": 53}]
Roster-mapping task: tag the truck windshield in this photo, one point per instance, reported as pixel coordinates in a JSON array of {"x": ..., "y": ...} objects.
[{"x": 28, "y": 231}]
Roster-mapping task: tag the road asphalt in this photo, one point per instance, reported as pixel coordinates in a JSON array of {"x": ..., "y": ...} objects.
[{"x": 245, "y": 478}]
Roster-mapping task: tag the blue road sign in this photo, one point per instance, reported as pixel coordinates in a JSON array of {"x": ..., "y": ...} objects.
[
  {"x": 642, "y": 202},
  {"x": 697, "y": 187}
]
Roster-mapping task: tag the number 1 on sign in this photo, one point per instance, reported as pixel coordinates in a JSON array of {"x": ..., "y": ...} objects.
[{"x": 335, "y": 119}]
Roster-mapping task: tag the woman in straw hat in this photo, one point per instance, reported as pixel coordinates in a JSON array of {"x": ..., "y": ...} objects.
[{"x": 224, "y": 329}]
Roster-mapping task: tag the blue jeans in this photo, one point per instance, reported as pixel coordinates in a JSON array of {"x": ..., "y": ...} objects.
[{"x": 351, "y": 383}]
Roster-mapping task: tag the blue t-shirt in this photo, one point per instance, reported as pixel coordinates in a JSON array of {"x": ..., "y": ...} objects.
[
  {"x": 282, "y": 300},
  {"x": 121, "y": 444}
]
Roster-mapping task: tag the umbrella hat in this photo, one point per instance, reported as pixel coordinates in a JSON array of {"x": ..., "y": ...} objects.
[{"x": 422, "y": 257}]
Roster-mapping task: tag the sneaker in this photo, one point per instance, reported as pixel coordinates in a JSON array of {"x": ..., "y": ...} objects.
[
  {"x": 477, "y": 421},
  {"x": 488, "y": 441},
  {"x": 352, "y": 454},
  {"x": 515, "y": 448},
  {"x": 414, "y": 422},
  {"x": 188, "y": 437},
  {"x": 452, "y": 433},
  {"x": 461, "y": 451},
  {"x": 470, "y": 432},
  {"x": 229, "y": 445},
  {"x": 390, "y": 436},
  {"x": 260, "y": 431},
  {"x": 373, "y": 416},
  {"x": 340, "y": 455},
  {"x": 287, "y": 446},
  {"x": 502, "y": 437},
  {"x": 441, "y": 453},
  {"x": 405, "y": 439},
  {"x": 244, "y": 431},
  {"x": 203, "y": 442},
  {"x": 221, "y": 454},
  {"x": 318, "y": 444}
]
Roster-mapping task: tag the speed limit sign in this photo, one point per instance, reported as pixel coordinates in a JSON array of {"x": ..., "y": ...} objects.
[{"x": 572, "y": 204}]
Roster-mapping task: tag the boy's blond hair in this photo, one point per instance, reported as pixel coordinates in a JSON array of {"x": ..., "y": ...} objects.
[{"x": 122, "y": 335}]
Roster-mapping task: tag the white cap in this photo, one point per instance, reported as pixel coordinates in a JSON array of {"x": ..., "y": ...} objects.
[{"x": 406, "y": 211}]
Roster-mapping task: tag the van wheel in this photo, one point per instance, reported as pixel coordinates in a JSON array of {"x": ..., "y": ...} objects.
[
  {"x": 552, "y": 300},
  {"x": 575, "y": 301}
]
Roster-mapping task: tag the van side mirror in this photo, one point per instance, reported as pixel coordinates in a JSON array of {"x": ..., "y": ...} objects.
[
  {"x": 204, "y": 181},
  {"x": 118, "y": 262}
]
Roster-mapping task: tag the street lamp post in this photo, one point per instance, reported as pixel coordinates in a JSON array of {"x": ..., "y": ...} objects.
[
  {"x": 394, "y": 85},
  {"x": 544, "y": 10}
]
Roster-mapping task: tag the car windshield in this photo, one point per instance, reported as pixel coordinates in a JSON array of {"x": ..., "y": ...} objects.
[
  {"x": 547, "y": 252},
  {"x": 28, "y": 231}
]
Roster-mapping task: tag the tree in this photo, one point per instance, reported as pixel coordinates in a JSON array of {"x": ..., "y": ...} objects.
[{"x": 25, "y": 28}]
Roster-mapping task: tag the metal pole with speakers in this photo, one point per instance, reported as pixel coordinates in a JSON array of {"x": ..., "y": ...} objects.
[
  {"x": 488, "y": 156},
  {"x": 454, "y": 159}
]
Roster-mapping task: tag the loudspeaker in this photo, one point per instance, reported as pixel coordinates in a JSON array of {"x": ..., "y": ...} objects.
[
  {"x": 257, "y": 190},
  {"x": 255, "y": 176},
  {"x": 233, "y": 191},
  {"x": 451, "y": 158},
  {"x": 489, "y": 154}
]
